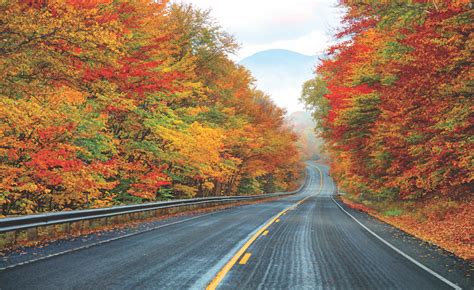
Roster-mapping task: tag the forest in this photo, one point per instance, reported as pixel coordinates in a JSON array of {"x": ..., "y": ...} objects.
[
  {"x": 394, "y": 104},
  {"x": 114, "y": 102}
]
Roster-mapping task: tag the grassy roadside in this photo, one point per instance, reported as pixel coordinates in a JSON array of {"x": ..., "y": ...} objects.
[{"x": 447, "y": 224}]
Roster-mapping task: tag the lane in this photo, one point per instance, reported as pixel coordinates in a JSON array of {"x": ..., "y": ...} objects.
[
  {"x": 311, "y": 246},
  {"x": 318, "y": 246},
  {"x": 185, "y": 255}
]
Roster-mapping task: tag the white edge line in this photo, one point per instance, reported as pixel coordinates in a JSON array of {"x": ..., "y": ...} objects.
[
  {"x": 101, "y": 242},
  {"x": 399, "y": 251}
]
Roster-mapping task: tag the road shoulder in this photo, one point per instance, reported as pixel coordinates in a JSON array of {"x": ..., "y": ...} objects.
[{"x": 437, "y": 259}]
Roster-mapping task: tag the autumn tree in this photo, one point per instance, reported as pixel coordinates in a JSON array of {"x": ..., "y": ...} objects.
[
  {"x": 110, "y": 102},
  {"x": 394, "y": 100}
]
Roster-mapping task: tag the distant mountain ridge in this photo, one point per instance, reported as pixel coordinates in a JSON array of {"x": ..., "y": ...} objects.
[
  {"x": 280, "y": 58},
  {"x": 281, "y": 73}
]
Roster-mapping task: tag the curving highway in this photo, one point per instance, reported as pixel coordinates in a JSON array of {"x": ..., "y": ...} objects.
[{"x": 305, "y": 241}]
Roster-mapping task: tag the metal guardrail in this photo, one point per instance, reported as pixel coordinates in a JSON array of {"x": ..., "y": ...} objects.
[{"x": 47, "y": 219}]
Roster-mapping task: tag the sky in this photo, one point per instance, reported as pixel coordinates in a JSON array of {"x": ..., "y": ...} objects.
[{"x": 304, "y": 26}]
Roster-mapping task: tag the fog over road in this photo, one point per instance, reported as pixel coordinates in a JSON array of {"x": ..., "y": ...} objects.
[{"x": 304, "y": 241}]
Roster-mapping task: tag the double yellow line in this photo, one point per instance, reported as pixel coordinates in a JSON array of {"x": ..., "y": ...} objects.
[{"x": 223, "y": 272}]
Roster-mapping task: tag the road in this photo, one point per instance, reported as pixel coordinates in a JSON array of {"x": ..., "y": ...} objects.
[{"x": 305, "y": 241}]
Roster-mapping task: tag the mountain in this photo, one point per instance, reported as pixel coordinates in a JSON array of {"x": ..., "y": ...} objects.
[
  {"x": 281, "y": 73},
  {"x": 280, "y": 61}
]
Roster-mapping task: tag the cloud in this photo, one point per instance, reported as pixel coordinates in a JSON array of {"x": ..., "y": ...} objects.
[
  {"x": 301, "y": 25},
  {"x": 312, "y": 43}
]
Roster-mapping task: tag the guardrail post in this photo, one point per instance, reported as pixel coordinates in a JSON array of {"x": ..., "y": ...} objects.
[
  {"x": 57, "y": 225},
  {"x": 103, "y": 221},
  {"x": 32, "y": 234},
  {"x": 67, "y": 228},
  {"x": 76, "y": 227},
  {"x": 85, "y": 225}
]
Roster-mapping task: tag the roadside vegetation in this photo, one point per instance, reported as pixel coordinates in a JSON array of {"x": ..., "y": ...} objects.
[
  {"x": 393, "y": 102},
  {"x": 111, "y": 102}
]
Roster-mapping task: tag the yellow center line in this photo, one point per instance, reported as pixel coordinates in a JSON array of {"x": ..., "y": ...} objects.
[
  {"x": 215, "y": 282},
  {"x": 245, "y": 258}
]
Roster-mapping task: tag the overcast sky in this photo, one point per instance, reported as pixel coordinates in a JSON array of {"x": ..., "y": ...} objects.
[{"x": 304, "y": 26}]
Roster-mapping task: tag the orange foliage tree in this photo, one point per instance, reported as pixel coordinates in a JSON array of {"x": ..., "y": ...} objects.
[
  {"x": 109, "y": 102},
  {"x": 394, "y": 100}
]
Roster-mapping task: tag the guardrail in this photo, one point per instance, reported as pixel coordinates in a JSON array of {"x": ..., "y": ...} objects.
[{"x": 113, "y": 214}]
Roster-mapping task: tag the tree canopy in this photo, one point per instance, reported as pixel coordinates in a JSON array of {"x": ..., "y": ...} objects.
[
  {"x": 108, "y": 102},
  {"x": 394, "y": 100}
]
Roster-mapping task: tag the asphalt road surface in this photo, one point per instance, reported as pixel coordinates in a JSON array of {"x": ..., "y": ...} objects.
[{"x": 305, "y": 241}]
